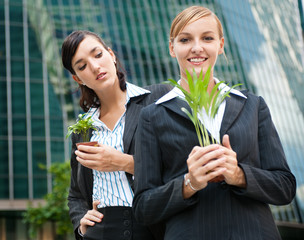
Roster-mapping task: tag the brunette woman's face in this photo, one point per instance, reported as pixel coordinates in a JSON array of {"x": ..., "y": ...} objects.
[
  {"x": 197, "y": 46},
  {"x": 94, "y": 65}
]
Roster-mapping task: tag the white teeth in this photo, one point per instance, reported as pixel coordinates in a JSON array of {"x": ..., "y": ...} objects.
[
  {"x": 197, "y": 59},
  {"x": 100, "y": 75}
]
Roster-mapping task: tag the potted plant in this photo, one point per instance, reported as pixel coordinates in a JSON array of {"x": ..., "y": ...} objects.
[
  {"x": 82, "y": 127},
  {"x": 200, "y": 102}
]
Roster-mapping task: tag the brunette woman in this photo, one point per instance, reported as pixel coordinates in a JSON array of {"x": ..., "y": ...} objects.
[{"x": 101, "y": 190}]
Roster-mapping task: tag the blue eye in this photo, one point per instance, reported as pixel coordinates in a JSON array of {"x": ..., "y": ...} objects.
[
  {"x": 208, "y": 38},
  {"x": 184, "y": 40}
]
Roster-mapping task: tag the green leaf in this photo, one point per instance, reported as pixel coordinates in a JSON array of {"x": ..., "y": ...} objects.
[
  {"x": 82, "y": 127},
  {"x": 198, "y": 98}
]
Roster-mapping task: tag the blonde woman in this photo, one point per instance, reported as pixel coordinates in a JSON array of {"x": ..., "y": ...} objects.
[{"x": 174, "y": 176}]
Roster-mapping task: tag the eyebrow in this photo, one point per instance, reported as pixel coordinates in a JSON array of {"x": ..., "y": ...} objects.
[
  {"x": 79, "y": 60},
  {"x": 186, "y": 33}
]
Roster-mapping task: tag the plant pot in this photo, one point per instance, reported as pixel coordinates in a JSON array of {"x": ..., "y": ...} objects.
[{"x": 93, "y": 144}]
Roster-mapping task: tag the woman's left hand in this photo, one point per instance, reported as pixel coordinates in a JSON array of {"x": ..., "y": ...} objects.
[
  {"x": 104, "y": 158},
  {"x": 233, "y": 175}
]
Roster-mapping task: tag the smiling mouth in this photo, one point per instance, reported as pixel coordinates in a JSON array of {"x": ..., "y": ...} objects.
[
  {"x": 197, "y": 60},
  {"x": 100, "y": 76}
]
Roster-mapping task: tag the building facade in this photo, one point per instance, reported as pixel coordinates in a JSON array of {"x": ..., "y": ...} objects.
[{"x": 264, "y": 49}]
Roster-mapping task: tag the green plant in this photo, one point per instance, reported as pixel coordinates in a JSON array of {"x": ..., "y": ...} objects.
[
  {"x": 55, "y": 208},
  {"x": 82, "y": 127},
  {"x": 200, "y": 100}
]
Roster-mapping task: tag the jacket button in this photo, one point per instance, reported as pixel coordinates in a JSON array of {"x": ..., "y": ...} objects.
[
  {"x": 127, "y": 234},
  {"x": 126, "y": 223},
  {"x": 126, "y": 213}
]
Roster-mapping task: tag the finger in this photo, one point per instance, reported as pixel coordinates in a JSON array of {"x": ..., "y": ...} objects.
[
  {"x": 94, "y": 216},
  {"x": 194, "y": 150},
  {"x": 226, "y": 141},
  {"x": 95, "y": 204},
  {"x": 86, "y": 163},
  {"x": 208, "y": 161},
  {"x": 199, "y": 152},
  {"x": 217, "y": 175},
  {"x": 202, "y": 173},
  {"x": 212, "y": 166},
  {"x": 87, "y": 149},
  {"x": 85, "y": 222}
]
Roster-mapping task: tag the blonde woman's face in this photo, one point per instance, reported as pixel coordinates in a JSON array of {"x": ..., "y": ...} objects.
[{"x": 197, "y": 46}]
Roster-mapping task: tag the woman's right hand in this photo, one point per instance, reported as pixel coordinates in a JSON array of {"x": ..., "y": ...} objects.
[
  {"x": 202, "y": 167},
  {"x": 90, "y": 218}
]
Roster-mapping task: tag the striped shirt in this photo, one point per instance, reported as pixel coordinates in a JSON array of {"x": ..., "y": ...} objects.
[{"x": 112, "y": 188}]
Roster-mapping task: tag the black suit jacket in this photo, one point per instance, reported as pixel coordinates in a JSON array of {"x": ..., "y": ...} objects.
[
  {"x": 219, "y": 211},
  {"x": 81, "y": 187}
]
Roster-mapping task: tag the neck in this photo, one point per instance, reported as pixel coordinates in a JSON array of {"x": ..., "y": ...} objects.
[
  {"x": 184, "y": 83},
  {"x": 111, "y": 100}
]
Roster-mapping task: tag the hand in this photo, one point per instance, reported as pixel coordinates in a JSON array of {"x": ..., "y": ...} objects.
[
  {"x": 90, "y": 218},
  {"x": 204, "y": 164},
  {"x": 104, "y": 158},
  {"x": 234, "y": 175}
]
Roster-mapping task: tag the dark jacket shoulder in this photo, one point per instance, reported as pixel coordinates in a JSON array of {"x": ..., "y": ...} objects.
[{"x": 157, "y": 91}]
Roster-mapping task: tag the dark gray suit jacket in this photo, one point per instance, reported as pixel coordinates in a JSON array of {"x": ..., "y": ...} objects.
[
  {"x": 219, "y": 211},
  {"x": 81, "y": 187}
]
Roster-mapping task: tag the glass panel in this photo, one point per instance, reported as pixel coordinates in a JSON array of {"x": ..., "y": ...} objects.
[
  {"x": 20, "y": 169},
  {"x": 4, "y": 191}
]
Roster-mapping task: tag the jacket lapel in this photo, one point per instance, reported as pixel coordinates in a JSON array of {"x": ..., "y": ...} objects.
[
  {"x": 133, "y": 110},
  {"x": 175, "y": 105},
  {"x": 234, "y": 105}
]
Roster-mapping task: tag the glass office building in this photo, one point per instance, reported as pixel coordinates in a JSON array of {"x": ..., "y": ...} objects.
[{"x": 263, "y": 45}]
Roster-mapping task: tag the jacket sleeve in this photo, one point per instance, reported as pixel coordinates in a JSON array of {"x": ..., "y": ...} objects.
[
  {"x": 154, "y": 201},
  {"x": 272, "y": 181},
  {"x": 77, "y": 204}
]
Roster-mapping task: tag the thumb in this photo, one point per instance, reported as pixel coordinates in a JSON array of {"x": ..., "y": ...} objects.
[
  {"x": 226, "y": 142},
  {"x": 95, "y": 204}
]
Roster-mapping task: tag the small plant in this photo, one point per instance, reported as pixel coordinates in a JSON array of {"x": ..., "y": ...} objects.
[
  {"x": 55, "y": 208},
  {"x": 200, "y": 100},
  {"x": 82, "y": 127}
]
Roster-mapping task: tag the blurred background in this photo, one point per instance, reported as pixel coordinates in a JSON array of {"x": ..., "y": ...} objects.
[{"x": 39, "y": 99}]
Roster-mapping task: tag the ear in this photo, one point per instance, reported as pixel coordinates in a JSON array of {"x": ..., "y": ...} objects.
[
  {"x": 221, "y": 50},
  {"x": 112, "y": 54},
  {"x": 76, "y": 79},
  {"x": 171, "y": 49}
]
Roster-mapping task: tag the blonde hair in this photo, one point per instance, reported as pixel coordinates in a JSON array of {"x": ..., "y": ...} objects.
[{"x": 190, "y": 15}]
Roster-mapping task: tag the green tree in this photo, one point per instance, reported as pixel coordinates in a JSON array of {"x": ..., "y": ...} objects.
[{"x": 55, "y": 208}]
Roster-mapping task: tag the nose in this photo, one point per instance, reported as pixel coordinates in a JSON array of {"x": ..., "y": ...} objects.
[
  {"x": 94, "y": 64},
  {"x": 197, "y": 47}
]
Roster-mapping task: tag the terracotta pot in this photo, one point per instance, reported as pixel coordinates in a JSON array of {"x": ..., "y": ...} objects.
[{"x": 94, "y": 143}]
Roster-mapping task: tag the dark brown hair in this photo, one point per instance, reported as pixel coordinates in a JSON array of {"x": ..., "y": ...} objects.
[{"x": 69, "y": 47}]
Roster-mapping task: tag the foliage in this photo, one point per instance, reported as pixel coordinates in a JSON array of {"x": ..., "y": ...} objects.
[
  {"x": 82, "y": 127},
  {"x": 55, "y": 208},
  {"x": 200, "y": 100}
]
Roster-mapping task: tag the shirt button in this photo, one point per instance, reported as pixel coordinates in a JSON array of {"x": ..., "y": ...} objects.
[{"x": 126, "y": 223}]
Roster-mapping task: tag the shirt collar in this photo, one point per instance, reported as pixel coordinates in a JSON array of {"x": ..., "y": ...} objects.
[
  {"x": 135, "y": 91},
  {"x": 175, "y": 92},
  {"x": 132, "y": 91}
]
